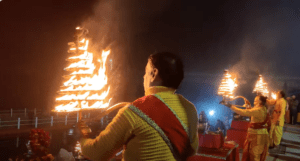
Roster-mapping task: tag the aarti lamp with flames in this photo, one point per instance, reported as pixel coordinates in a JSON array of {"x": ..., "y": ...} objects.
[
  {"x": 227, "y": 88},
  {"x": 261, "y": 88},
  {"x": 86, "y": 85}
]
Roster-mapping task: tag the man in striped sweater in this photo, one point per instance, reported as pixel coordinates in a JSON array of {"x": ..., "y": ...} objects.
[{"x": 162, "y": 125}]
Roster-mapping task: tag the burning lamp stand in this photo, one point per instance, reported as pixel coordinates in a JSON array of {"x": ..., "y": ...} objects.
[
  {"x": 261, "y": 87},
  {"x": 226, "y": 89},
  {"x": 83, "y": 85}
]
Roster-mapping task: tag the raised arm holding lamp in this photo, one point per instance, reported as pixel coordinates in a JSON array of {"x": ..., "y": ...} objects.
[
  {"x": 162, "y": 125},
  {"x": 256, "y": 145}
]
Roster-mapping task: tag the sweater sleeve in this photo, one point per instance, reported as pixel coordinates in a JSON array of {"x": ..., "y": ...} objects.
[
  {"x": 109, "y": 141},
  {"x": 247, "y": 112}
]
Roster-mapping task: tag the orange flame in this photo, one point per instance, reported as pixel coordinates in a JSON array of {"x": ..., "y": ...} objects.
[
  {"x": 273, "y": 95},
  {"x": 228, "y": 85},
  {"x": 261, "y": 87},
  {"x": 84, "y": 89},
  {"x": 78, "y": 148}
]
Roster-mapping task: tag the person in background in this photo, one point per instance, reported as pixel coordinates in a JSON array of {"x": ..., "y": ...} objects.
[
  {"x": 202, "y": 123},
  {"x": 221, "y": 126},
  {"x": 162, "y": 125},
  {"x": 202, "y": 117},
  {"x": 277, "y": 121},
  {"x": 257, "y": 141},
  {"x": 287, "y": 117},
  {"x": 227, "y": 122},
  {"x": 294, "y": 111}
]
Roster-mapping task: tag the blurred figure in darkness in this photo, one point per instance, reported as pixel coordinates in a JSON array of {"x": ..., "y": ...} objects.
[
  {"x": 202, "y": 123},
  {"x": 288, "y": 117},
  {"x": 294, "y": 112},
  {"x": 227, "y": 123},
  {"x": 220, "y": 124},
  {"x": 202, "y": 117}
]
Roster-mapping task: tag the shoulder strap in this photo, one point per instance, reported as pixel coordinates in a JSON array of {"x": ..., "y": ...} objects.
[
  {"x": 165, "y": 121},
  {"x": 260, "y": 125}
]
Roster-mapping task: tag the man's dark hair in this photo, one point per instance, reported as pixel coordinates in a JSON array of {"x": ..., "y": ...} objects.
[
  {"x": 263, "y": 99},
  {"x": 282, "y": 94},
  {"x": 170, "y": 68}
]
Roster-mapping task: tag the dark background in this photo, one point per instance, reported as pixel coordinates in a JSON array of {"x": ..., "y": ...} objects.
[{"x": 246, "y": 37}]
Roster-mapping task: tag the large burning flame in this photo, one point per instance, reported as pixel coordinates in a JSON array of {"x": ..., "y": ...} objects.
[
  {"x": 228, "y": 85},
  {"x": 84, "y": 87},
  {"x": 261, "y": 87}
]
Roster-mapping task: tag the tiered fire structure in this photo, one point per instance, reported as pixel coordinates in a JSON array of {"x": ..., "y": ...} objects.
[
  {"x": 227, "y": 87},
  {"x": 86, "y": 85},
  {"x": 261, "y": 87}
]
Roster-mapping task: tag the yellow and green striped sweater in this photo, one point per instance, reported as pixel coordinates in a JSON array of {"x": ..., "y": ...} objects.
[{"x": 140, "y": 140}]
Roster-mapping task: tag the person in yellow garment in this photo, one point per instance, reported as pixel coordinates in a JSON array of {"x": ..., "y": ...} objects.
[
  {"x": 277, "y": 120},
  {"x": 256, "y": 144},
  {"x": 147, "y": 128}
]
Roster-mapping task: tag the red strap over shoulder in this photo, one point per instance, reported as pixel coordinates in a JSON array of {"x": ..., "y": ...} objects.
[
  {"x": 260, "y": 125},
  {"x": 160, "y": 113}
]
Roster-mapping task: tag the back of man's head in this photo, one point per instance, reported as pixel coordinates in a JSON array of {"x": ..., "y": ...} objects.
[
  {"x": 170, "y": 68},
  {"x": 282, "y": 94}
]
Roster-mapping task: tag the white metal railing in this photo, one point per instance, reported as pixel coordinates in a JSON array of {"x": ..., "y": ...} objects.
[
  {"x": 24, "y": 111},
  {"x": 50, "y": 121}
]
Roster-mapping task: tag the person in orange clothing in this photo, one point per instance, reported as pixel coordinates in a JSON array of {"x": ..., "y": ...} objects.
[
  {"x": 256, "y": 144},
  {"x": 277, "y": 121},
  {"x": 162, "y": 125}
]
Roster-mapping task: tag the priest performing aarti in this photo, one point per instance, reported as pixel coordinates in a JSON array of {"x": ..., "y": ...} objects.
[
  {"x": 277, "y": 121},
  {"x": 162, "y": 125},
  {"x": 256, "y": 141},
  {"x": 256, "y": 144}
]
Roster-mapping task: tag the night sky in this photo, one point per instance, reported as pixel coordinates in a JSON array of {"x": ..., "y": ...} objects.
[{"x": 244, "y": 36}]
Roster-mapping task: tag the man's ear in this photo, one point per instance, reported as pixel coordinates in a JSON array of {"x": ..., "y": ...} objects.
[{"x": 154, "y": 74}]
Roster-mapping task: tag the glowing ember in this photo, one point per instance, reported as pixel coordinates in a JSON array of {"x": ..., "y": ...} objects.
[
  {"x": 77, "y": 147},
  {"x": 85, "y": 87},
  {"x": 261, "y": 87},
  {"x": 78, "y": 150},
  {"x": 227, "y": 86},
  {"x": 273, "y": 95}
]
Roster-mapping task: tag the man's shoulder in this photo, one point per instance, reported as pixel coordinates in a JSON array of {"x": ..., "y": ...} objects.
[
  {"x": 279, "y": 101},
  {"x": 143, "y": 100},
  {"x": 186, "y": 101}
]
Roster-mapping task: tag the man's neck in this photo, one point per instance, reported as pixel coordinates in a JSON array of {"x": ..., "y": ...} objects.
[{"x": 156, "y": 89}]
